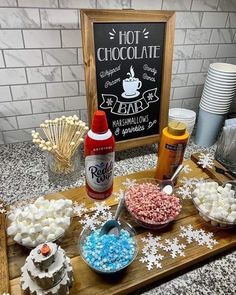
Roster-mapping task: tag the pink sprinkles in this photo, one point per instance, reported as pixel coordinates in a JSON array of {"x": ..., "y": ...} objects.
[{"x": 150, "y": 205}]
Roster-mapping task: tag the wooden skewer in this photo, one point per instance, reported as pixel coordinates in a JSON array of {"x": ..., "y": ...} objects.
[{"x": 64, "y": 135}]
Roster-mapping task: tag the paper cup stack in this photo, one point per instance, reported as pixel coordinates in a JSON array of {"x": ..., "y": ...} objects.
[
  {"x": 217, "y": 96},
  {"x": 183, "y": 115}
]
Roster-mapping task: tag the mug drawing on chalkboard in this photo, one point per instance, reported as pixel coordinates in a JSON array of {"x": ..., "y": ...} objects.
[{"x": 131, "y": 85}]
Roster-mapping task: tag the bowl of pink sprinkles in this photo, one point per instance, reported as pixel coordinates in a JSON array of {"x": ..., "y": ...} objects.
[{"x": 150, "y": 207}]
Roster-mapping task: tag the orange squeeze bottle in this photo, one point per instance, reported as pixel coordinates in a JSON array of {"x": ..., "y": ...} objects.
[{"x": 172, "y": 145}]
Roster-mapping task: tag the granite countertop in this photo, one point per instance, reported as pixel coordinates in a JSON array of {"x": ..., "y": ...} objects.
[{"x": 24, "y": 175}]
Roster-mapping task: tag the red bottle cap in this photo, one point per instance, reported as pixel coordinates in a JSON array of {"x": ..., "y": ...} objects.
[{"x": 99, "y": 123}]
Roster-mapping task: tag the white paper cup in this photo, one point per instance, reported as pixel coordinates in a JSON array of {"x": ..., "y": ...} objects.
[
  {"x": 224, "y": 68},
  {"x": 208, "y": 127}
]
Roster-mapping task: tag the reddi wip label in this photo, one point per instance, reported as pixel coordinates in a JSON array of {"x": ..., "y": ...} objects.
[{"x": 99, "y": 171}]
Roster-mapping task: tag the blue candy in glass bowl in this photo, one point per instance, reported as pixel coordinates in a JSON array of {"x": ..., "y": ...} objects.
[{"x": 108, "y": 253}]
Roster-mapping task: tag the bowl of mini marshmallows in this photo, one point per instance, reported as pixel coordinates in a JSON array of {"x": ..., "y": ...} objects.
[
  {"x": 45, "y": 220},
  {"x": 108, "y": 254},
  {"x": 149, "y": 206},
  {"x": 216, "y": 204}
]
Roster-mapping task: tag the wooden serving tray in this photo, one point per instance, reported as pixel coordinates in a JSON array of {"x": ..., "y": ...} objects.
[{"x": 86, "y": 281}]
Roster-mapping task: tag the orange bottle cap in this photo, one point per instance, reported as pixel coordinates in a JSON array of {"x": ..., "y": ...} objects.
[
  {"x": 176, "y": 128},
  {"x": 45, "y": 250}
]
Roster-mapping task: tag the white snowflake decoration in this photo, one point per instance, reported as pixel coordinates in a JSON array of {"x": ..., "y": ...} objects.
[
  {"x": 184, "y": 192},
  {"x": 188, "y": 182},
  {"x": 186, "y": 169},
  {"x": 188, "y": 233},
  {"x": 151, "y": 242},
  {"x": 204, "y": 238},
  {"x": 109, "y": 102},
  {"x": 2, "y": 210},
  {"x": 101, "y": 208},
  {"x": 101, "y": 213},
  {"x": 206, "y": 160},
  {"x": 90, "y": 222},
  {"x": 150, "y": 251},
  {"x": 151, "y": 260},
  {"x": 120, "y": 194},
  {"x": 200, "y": 181},
  {"x": 199, "y": 236},
  {"x": 129, "y": 182},
  {"x": 5, "y": 293},
  {"x": 79, "y": 209},
  {"x": 174, "y": 247}
]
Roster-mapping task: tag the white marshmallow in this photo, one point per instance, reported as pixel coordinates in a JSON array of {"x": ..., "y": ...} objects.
[
  {"x": 30, "y": 217},
  {"x": 18, "y": 238},
  {"x": 39, "y": 215},
  {"x": 51, "y": 237},
  {"x": 11, "y": 230},
  {"x": 59, "y": 231},
  {"x": 27, "y": 242},
  {"x": 197, "y": 201},
  {"x": 38, "y": 227},
  {"x": 220, "y": 189},
  {"x": 46, "y": 231},
  {"x": 232, "y": 194},
  {"x": 39, "y": 201},
  {"x": 67, "y": 221},
  {"x": 228, "y": 186},
  {"x": 11, "y": 216},
  {"x": 40, "y": 239},
  {"x": 32, "y": 230},
  {"x": 230, "y": 219},
  {"x": 233, "y": 214},
  {"x": 45, "y": 222},
  {"x": 69, "y": 212},
  {"x": 233, "y": 207}
]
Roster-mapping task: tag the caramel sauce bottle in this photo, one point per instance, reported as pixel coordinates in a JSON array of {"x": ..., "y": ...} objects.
[{"x": 172, "y": 145}]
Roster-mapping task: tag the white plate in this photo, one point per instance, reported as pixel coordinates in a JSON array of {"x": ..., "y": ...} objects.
[{"x": 223, "y": 67}]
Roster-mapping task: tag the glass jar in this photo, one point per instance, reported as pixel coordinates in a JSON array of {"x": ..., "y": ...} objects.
[
  {"x": 226, "y": 150},
  {"x": 63, "y": 172}
]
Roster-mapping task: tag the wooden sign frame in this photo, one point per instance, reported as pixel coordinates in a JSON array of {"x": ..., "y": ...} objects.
[{"x": 89, "y": 17}]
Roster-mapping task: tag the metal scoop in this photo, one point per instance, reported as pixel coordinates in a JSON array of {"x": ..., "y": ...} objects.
[
  {"x": 167, "y": 185},
  {"x": 112, "y": 226}
]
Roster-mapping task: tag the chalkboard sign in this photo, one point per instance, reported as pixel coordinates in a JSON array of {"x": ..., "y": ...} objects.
[{"x": 128, "y": 57}]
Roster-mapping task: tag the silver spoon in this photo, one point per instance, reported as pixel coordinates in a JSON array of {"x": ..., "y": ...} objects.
[
  {"x": 112, "y": 226},
  {"x": 167, "y": 185}
]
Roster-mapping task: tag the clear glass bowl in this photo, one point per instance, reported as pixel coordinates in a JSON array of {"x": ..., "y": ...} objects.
[
  {"x": 87, "y": 231},
  {"x": 213, "y": 221},
  {"x": 156, "y": 225},
  {"x": 55, "y": 196}
]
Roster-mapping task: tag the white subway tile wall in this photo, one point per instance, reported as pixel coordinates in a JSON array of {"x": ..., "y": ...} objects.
[{"x": 41, "y": 58}]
